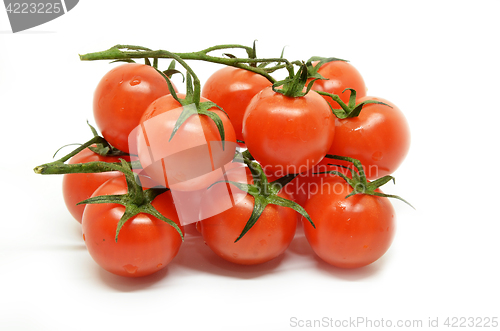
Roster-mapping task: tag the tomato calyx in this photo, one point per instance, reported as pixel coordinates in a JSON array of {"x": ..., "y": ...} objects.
[
  {"x": 358, "y": 181},
  {"x": 104, "y": 148},
  {"x": 312, "y": 69},
  {"x": 294, "y": 85},
  {"x": 135, "y": 201},
  {"x": 264, "y": 193},
  {"x": 351, "y": 109},
  {"x": 191, "y": 105}
]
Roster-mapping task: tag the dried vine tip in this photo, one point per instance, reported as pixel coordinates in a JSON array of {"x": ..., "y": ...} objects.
[{"x": 39, "y": 169}]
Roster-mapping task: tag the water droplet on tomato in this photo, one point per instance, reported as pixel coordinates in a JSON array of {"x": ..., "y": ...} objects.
[
  {"x": 377, "y": 156},
  {"x": 159, "y": 265},
  {"x": 135, "y": 81},
  {"x": 131, "y": 269}
]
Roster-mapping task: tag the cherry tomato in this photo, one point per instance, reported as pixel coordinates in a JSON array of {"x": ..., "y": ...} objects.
[
  {"x": 341, "y": 75},
  {"x": 145, "y": 244},
  {"x": 232, "y": 89},
  {"x": 79, "y": 187},
  {"x": 122, "y": 96},
  {"x": 352, "y": 232},
  {"x": 286, "y": 134},
  {"x": 190, "y": 160},
  {"x": 267, "y": 239},
  {"x": 379, "y": 137},
  {"x": 309, "y": 183}
]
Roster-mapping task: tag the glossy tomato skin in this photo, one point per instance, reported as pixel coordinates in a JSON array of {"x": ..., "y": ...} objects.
[
  {"x": 233, "y": 89},
  {"x": 122, "y": 96},
  {"x": 78, "y": 187},
  {"x": 286, "y": 134},
  {"x": 309, "y": 183},
  {"x": 341, "y": 75},
  {"x": 352, "y": 232},
  {"x": 379, "y": 137},
  {"x": 145, "y": 244},
  {"x": 194, "y": 152},
  {"x": 267, "y": 239}
]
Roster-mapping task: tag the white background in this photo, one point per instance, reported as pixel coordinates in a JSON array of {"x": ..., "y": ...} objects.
[{"x": 437, "y": 60}]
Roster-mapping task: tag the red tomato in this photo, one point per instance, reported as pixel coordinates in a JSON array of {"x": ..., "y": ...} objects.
[
  {"x": 189, "y": 161},
  {"x": 341, "y": 75},
  {"x": 145, "y": 244},
  {"x": 309, "y": 183},
  {"x": 267, "y": 239},
  {"x": 285, "y": 134},
  {"x": 352, "y": 232},
  {"x": 122, "y": 96},
  {"x": 79, "y": 187},
  {"x": 232, "y": 89},
  {"x": 379, "y": 137}
]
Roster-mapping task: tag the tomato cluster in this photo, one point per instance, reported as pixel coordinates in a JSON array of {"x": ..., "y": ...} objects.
[{"x": 244, "y": 157}]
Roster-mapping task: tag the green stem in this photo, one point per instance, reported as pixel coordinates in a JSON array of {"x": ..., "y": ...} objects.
[
  {"x": 259, "y": 177},
  {"x": 60, "y": 168},
  {"x": 116, "y": 53},
  {"x": 293, "y": 86},
  {"x": 135, "y": 191},
  {"x": 196, "y": 80},
  {"x": 95, "y": 140},
  {"x": 133, "y": 183},
  {"x": 357, "y": 164},
  {"x": 249, "y": 50}
]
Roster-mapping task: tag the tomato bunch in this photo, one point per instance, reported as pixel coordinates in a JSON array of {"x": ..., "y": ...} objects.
[{"x": 244, "y": 157}]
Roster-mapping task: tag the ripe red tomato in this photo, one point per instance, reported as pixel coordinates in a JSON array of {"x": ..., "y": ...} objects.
[
  {"x": 187, "y": 162},
  {"x": 309, "y": 183},
  {"x": 232, "y": 89},
  {"x": 79, "y": 187},
  {"x": 379, "y": 137},
  {"x": 341, "y": 75},
  {"x": 286, "y": 134},
  {"x": 352, "y": 232},
  {"x": 269, "y": 237},
  {"x": 145, "y": 244},
  {"x": 122, "y": 96}
]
